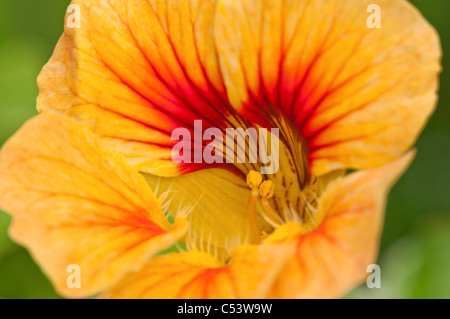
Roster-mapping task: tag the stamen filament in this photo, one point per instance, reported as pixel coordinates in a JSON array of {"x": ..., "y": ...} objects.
[
  {"x": 251, "y": 216},
  {"x": 254, "y": 179},
  {"x": 266, "y": 191},
  {"x": 268, "y": 210}
]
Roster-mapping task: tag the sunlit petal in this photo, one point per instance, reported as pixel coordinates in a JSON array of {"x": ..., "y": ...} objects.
[
  {"x": 76, "y": 202},
  {"x": 333, "y": 258},
  {"x": 358, "y": 96},
  {"x": 250, "y": 274}
]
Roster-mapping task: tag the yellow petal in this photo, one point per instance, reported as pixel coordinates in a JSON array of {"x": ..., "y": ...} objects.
[
  {"x": 197, "y": 275},
  {"x": 136, "y": 70},
  {"x": 76, "y": 202},
  {"x": 358, "y": 96},
  {"x": 215, "y": 200},
  {"x": 334, "y": 257}
]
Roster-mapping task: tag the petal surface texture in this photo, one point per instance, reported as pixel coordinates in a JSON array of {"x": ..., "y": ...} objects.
[
  {"x": 196, "y": 275},
  {"x": 216, "y": 202},
  {"x": 76, "y": 202},
  {"x": 136, "y": 70},
  {"x": 333, "y": 258},
  {"x": 358, "y": 96},
  {"x": 324, "y": 263}
]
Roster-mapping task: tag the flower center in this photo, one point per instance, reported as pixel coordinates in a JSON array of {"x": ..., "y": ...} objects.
[
  {"x": 291, "y": 194},
  {"x": 273, "y": 198},
  {"x": 276, "y": 200}
]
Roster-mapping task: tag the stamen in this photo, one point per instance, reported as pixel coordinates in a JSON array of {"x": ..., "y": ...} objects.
[
  {"x": 266, "y": 191},
  {"x": 254, "y": 179}
]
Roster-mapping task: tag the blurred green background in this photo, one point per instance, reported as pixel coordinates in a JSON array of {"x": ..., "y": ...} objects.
[{"x": 415, "y": 248}]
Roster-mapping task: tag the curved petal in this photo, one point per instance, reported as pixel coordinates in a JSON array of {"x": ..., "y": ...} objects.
[
  {"x": 74, "y": 201},
  {"x": 334, "y": 257},
  {"x": 197, "y": 275},
  {"x": 136, "y": 70},
  {"x": 291, "y": 263},
  {"x": 358, "y": 96},
  {"x": 215, "y": 200}
]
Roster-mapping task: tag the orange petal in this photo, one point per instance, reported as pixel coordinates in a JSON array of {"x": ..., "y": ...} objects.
[
  {"x": 290, "y": 264},
  {"x": 358, "y": 96},
  {"x": 197, "y": 275},
  {"x": 136, "y": 70},
  {"x": 334, "y": 257},
  {"x": 74, "y": 201}
]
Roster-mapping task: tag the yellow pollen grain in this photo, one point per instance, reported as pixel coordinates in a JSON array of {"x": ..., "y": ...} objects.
[
  {"x": 254, "y": 179},
  {"x": 266, "y": 189}
]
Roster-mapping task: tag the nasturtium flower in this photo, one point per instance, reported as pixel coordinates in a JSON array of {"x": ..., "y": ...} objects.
[{"x": 90, "y": 181}]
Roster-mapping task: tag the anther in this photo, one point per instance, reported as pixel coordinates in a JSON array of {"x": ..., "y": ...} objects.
[
  {"x": 266, "y": 189},
  {"x": 254, "y": 179}
]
